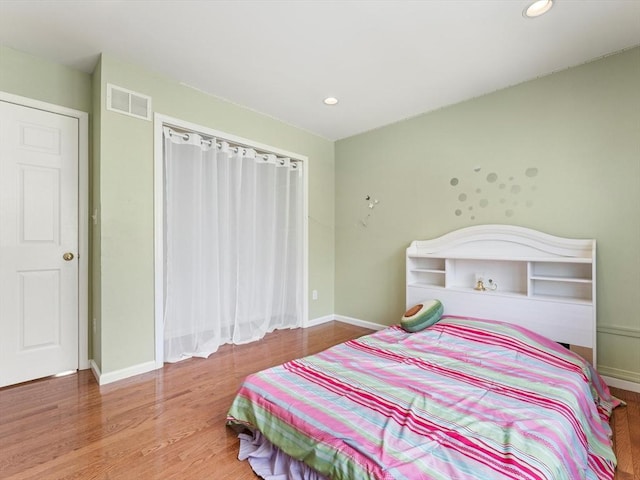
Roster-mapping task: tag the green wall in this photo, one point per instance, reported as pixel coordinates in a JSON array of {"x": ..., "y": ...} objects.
[
  {"x": 95, "y": 232},
  {"x": 126, "y": 310},
  {"x": 580, "y": 128},
  {"x": 32, "y": 77},
  {"x": 121, "y": 188}
]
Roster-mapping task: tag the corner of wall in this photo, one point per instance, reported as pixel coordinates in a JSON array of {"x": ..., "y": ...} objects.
[{"x": 95, "y": 296}]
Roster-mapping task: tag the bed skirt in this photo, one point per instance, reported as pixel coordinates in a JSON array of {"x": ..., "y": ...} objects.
[{"x": 270, "y": 463}]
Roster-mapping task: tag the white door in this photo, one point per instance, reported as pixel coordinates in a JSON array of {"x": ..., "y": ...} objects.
[{"x": 38, "y": 243}]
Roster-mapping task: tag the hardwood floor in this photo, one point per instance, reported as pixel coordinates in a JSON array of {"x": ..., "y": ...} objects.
[
  {"x": 625, "y": 423},
  {"x": 170, "y": 424}
]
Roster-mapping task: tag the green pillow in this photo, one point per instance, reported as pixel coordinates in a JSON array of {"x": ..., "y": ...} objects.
[{"x": 422, "y": 315}]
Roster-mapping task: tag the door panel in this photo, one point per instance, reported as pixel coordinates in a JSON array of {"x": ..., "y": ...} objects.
[
  {"x": 38, "y": 225},
  {"x": 39, "y": 206},
  {"x": 39, "y": 318}
]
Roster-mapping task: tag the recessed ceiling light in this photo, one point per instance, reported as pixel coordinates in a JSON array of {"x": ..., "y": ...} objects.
[
  {"x": 330, "y": 101},
  {"x": 537, "y": 8}
]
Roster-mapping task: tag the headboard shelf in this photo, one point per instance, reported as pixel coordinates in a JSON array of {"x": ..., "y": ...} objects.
[
  {"x": 533, "y": 279},
  {"x": 502, "y": 258},
  {"x": 553, "y": 278}
]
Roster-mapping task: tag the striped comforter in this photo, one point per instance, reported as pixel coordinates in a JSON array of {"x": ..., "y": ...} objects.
[{"x": 463, "y": 399}]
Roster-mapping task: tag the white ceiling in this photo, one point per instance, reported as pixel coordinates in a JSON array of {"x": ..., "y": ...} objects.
[{"x": 386, "y": 60}]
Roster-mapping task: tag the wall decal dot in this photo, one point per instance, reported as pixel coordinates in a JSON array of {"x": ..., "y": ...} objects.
[{"x": 494, "y": 192}]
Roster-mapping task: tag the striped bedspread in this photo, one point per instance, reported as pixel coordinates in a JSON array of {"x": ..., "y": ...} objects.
[{"x": 463, "y": 399}]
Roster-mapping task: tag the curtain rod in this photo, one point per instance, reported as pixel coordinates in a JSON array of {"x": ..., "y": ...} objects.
[{"x": 234, "y": 146}]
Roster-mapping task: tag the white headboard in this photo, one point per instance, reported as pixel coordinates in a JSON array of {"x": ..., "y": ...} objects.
[{"x": 533, "y": 279}]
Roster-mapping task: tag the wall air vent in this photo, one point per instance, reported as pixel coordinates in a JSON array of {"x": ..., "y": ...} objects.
[{"x": 128, "y": 102}]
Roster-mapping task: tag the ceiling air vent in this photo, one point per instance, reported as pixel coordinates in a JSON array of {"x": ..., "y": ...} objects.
[{"x": 128, "y": 102}]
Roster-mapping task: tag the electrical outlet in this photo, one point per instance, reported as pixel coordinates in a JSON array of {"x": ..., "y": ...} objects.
[{"x": 314, "y": 294}]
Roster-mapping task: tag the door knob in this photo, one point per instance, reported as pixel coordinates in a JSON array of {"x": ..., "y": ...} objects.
[{"x": 68, "y": 256}]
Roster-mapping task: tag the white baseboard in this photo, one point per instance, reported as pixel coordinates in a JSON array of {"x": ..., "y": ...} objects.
[
  {"x": 616, "y": 377},
  {"x": 95, "y": 370},
  {"x": 344, "y": 319},
  {"x": 359, "y": 323},
  {"x": 110, "y": 377},
  {"x": 623, "y": 384},
  {"x": 320, "y": 320}
]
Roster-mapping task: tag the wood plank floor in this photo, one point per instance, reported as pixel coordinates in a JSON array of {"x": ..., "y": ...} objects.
[{"x": 170, "y": 424}]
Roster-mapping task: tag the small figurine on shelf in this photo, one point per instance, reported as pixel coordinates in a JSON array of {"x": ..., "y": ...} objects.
[{"x": 482, "y": 288}]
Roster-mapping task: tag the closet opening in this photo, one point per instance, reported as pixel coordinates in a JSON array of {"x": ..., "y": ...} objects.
[{"x": 231, "y": 242}]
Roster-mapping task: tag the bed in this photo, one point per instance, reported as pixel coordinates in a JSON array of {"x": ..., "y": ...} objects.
[{"x": 464, "y": 398}]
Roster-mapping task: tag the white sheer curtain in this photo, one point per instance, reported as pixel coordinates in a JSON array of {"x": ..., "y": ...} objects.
[{"x": 233, "y": 245}]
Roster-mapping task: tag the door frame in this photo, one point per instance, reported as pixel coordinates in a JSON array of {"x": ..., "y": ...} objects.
[
  {"x": 83, "y": 212},
  {"x": 160, "y": 120}
]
